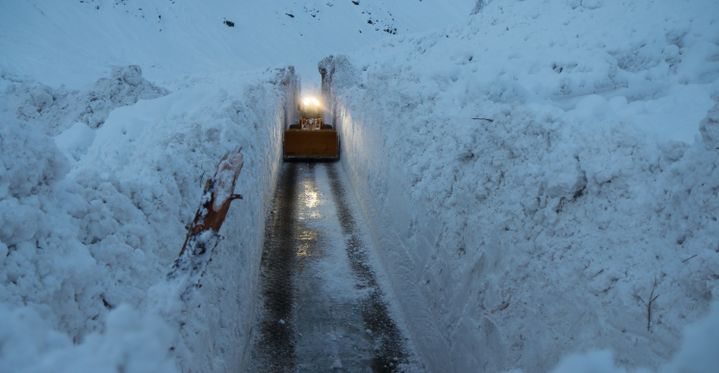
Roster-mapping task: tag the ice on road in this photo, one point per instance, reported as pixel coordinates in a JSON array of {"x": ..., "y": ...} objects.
[{"x": 322, "y": 308}]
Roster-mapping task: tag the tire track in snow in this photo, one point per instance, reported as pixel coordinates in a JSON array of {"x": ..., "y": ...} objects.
[
  {"x": 390, "y": 353},
  {"x": 331, "y": 335},
  {"x": 317, "y": 279},
  {"x": 276, "y": 347}
]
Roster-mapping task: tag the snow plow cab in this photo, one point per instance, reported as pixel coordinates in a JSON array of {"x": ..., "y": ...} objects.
[{"x": 311, "y": 139}]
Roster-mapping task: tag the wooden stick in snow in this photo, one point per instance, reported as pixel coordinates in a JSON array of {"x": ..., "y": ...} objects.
[{"x": 217, "y": 197}]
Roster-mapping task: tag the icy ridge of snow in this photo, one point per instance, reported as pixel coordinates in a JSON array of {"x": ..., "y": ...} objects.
[
  {"x": 531, "y": 177},
  {"x": 53, "y": 110},
  {"x": 86, "y": 243}
]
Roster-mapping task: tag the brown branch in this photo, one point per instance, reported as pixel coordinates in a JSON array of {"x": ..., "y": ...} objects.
[{"x": 218, "y": 194}]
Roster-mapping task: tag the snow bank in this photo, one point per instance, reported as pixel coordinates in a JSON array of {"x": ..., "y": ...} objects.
[
  {"x": 92, "y": 218},
  {"x": 698, "y": 352},
  {"x": 52, "y": 110},
  {"x": 131, "y": 342},
  {"x": 534, "y": 176}
]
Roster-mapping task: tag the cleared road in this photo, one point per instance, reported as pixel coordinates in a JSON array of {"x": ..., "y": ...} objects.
[{"x": 323, "y": 309}]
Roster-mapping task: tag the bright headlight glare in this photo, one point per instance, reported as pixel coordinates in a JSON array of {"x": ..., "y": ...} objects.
[{"x": 311, "y": 102}]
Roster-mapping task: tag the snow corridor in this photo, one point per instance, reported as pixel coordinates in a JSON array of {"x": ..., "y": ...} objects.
[{"x": 323, "y": 307}]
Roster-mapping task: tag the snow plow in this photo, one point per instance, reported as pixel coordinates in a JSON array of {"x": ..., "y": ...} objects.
[{"x": 311, "y": 139}]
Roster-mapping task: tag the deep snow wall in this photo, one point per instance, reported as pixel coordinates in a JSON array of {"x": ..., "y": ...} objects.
[
  {"x": 533, "y": 178},
  {"x": 514, "y": 254},
  {"x": 218, "y": 329},
  {"x": 404, "y": 233},
  {"x": 93, "y": 211}
]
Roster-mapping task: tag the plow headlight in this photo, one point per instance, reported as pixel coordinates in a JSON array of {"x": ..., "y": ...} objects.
[{"x": 311, "y": 102}]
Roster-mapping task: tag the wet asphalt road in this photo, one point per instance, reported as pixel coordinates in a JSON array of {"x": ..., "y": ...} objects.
[{"x": 322, "y": 307}]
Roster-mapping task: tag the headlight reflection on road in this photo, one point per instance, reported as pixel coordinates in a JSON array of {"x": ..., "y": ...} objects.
[{"x": 307, "y": 238}]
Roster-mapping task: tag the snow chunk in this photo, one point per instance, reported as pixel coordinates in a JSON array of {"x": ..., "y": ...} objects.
[
  {"x": 593, "y": 362},
  {"x": 563, "y": 177},
  {"x": 19, "y": 221},
  {"x": 339, "y": 70},
  {"x": 592, "y": 4},
  {"x": 55, "y": 109},
  {"x": 126, "y": 86},
  {"x": 699, "y": 352},
  {"x": 75, "y": 141},
  {"x": 29, "y": 160},
  {"x": 131, "y": 342},
  {"x": 709, "y": 128}
]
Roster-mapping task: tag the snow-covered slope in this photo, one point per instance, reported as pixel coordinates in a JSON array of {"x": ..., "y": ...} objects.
[
  {"x": 536, "y": 177},
  {"x": 74, "y": 42}
]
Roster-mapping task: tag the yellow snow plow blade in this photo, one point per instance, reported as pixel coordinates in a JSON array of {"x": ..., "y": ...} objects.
[{"x": 302, "y": 144}]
